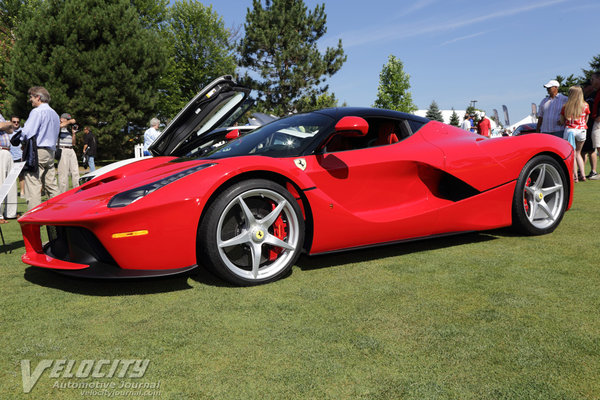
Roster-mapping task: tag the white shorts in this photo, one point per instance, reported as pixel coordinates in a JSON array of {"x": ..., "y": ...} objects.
[
  {"x": 596, "y": 135},
  {"x": 578, "y": 134}
]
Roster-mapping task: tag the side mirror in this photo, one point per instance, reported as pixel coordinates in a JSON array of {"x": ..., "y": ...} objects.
[
  {"x": 352, "y": 127},
  {"x": 232, "y": 134}
]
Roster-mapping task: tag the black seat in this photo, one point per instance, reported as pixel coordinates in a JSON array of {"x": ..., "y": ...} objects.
[{"x": 405, "y": 130}]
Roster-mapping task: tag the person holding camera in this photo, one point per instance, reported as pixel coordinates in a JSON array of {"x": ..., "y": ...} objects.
[
  {"x": 65, "y": 154},
  {"x": 89, "y": 147},
  {"x": 8, "y": 209},
  {"x": 17, "y": 152}
]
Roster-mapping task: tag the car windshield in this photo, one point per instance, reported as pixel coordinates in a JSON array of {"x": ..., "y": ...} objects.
[
  {"x": 287, "y": 137},
  {"x": 526, "y": 128}
]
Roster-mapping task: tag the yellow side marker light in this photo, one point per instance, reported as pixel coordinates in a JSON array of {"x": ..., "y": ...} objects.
[{"x": 129, "y": 234}]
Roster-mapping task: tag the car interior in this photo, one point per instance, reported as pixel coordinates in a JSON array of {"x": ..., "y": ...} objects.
[{"x": 382, "y": 132}]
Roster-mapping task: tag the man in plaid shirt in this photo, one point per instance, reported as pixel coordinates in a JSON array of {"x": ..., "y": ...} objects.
[{"x": 549, "y": 110}]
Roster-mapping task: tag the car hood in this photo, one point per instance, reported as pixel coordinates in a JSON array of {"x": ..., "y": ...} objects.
[
  {"x": 218, "y": 104},
  {"x": 108, "y": 168},
  {"x": 92, "y": 197}
]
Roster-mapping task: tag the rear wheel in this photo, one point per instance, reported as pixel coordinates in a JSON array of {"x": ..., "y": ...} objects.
[
  {"x": 540, "y": 197},
  {"x": 252, "y": 233}
]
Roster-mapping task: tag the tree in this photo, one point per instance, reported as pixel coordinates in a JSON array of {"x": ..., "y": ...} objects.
[
  {"x": 199, "y": 51},
  {"x": 393, "y": 92},
  {"x": 98, "y": 62},
  {"x": 566, "y": 83},
  {"x": 152, "y": 13},
  {"x": 454, "y": 120},
  {"x": 11, "y": 12},
  {"x": 594, "y": 67},
  {"x": 6, "y": 44},
  {"x": 280, "y": 51},
  {"x": 434, "y": 113},
  {"x": 314, "y": 102},
  {"x": 572, "y": 80}
]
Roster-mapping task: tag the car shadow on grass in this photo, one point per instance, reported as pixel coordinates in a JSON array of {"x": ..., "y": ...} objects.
[
  {"x": 106, "y": 287},
  {"x": 393, "y": 250},
  {"x": 203, "y": 276},
  {"x": 137, "y": 286}
]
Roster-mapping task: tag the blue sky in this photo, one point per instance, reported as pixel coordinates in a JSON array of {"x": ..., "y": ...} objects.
[{"x": 455, "y": 51}]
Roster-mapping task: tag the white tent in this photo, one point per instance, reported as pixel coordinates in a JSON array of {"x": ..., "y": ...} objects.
[{"x": 530, "y": 119}]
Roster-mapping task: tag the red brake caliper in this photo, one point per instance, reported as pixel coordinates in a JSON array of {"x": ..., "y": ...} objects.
[
  {"x": 525, "y": 203},
  {"x": 279, "y": 231}
]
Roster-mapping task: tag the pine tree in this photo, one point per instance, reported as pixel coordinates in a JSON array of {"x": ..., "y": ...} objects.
[
  {"x": 11, "y": 13},
  {"x": 434, "y": 113},
  {"x": 567, "y": 82},
  {"x": 594, "y": 67},
  {"x": 152, "y": 12},
  {"x": 454, "y": 120},
  {"x": 97, "y": 60},
  {"x": 393, "y": 93},
  {"x": 314, "y": 102},
  {"x": 6, "y": 44},
  {"x": 280, "y": 47}
]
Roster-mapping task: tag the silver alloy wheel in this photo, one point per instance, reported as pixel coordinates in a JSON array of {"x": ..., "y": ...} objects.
[
  {"x": 248, "y": 230},
  {"x": 543, "y": 196}
]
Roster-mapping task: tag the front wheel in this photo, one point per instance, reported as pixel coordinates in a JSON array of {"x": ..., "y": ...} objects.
[
  {"x": 252, "y": 233},
  {"x": 540, "y": 197}
]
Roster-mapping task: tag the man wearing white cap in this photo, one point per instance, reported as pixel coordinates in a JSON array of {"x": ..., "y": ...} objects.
[{"x": 549, "y": 110}]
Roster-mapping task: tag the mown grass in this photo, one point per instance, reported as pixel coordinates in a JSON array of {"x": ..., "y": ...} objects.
[{"x": 478, "y": 316}]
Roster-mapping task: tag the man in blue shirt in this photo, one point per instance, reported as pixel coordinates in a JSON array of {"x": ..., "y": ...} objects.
[{"x": 44, "y": 122}]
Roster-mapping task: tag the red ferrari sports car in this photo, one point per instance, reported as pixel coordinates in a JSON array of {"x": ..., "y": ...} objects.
[{"x": 325, "y": 181}]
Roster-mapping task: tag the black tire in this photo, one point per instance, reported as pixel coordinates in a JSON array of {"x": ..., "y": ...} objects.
[
  {"x": 244, "y": 240},
  {"x": 541, "y": 196}
]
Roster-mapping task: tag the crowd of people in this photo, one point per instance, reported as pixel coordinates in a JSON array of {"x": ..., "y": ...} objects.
[
  {"x": 483, "y": 126},
  {"x": 44, "y": 138},
  {"x": 575, "y": 118}
]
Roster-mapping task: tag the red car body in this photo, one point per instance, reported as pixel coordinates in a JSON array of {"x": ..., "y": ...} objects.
[{"x": 438, "y": 180}]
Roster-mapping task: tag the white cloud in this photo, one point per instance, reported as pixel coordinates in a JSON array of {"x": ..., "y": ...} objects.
[
  {"x": 418, "y": 5},
  {"x": 403, "y": 31},
  {"x": 458, "y": 39}
]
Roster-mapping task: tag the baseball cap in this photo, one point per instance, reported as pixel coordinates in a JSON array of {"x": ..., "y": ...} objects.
[
  {"x": 551, "y": 84},
  {"x": 65, "y": 116}
]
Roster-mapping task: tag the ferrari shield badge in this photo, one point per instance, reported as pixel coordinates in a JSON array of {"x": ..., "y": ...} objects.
[{"x": 300, "y": 163}]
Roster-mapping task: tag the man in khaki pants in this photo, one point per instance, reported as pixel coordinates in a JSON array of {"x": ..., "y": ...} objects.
[
  {"x": 44, "y": 122},
  {"x": 68, "y": 164}
]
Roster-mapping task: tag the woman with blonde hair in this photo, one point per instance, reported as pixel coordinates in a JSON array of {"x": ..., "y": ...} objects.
[{"x": 574, "y": 116}]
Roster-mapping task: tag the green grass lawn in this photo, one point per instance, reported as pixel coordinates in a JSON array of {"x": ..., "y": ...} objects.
[{"x": 478, "y": 316}]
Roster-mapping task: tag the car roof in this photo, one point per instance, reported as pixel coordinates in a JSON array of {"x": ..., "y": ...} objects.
[{"x": 339, "y": 112}]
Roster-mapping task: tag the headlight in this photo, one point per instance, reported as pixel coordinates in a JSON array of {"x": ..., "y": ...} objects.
[{"x": 125, "y": 198}]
